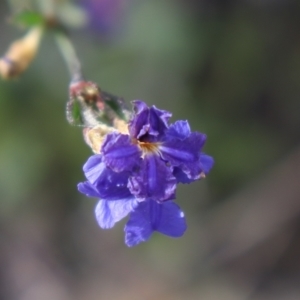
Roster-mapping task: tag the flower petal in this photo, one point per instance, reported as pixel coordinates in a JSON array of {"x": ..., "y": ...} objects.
[
  {"x": 158, "y": 121},
  {"x": 181, "y": 176},
  {"x": 153, "y": 180},
  {"x": 113, "y": 186},
  {"x": 108, "y": 184},
  {"x": 180, "y": 129},
  {"x": 170, "y": 220},
  {"x": 119, "y": 153},
  {"x": 206, "y": 163},
  {"x": 140, "y": 119},
  {"x": 184, "y": 153},
  {"x": 110, "y": 212},
  {"x": 93, "y": 168},
  {"x": 178, "y": 151},
  {"x": 88, "y": 189},
  {"x": 148, "y": 124},
  {"x": 149, "y": 216}
]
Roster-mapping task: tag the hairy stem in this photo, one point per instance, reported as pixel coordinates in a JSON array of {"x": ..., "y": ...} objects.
[{"x": 70, "y": 57}]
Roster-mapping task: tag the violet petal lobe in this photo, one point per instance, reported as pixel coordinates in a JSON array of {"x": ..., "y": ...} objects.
[
  {"x": 149, "y": 216},
  {"x": 181, "y": 176},
  {"x": 109, "y": 185},
  {"x": 93, "y": 168},
  {"x": 140, "y": 119},
  {"x": 171, "y": 219},
  {"x": 138, "y": 228},
  {"x": 109, "y": 212},
  {"x": 154, "y": 180},
  {"x": 88, "y": 189},
  {"x": 113, "y": 186},
  {"x": 139, "y": 106},
  {"x": 158, "y": 120},
  {"x": 180, "y": 129},
  {"x": 206, "y": 163},
  {"x": 184, "y": 153},
  {"x": 148, "y": 124},
  {"x": 119, "y": 153}
]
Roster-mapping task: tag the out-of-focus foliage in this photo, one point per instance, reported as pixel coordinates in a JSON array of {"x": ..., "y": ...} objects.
[
  {"x": 28, "y": 18},
  {"x": 232, "y": 68}
]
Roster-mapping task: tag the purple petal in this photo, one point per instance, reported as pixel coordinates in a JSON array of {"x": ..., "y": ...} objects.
[
  {"x": 88, "y": 189},
  {"x": 158, "y": 120},
  {"x": 104, "y": 15},
  {"x": 180, "y": 129},
  {"x": 206, "y": 163},
  {"x": 141, "y": 112},
  {"x": 119, "y": 153},
  {"x": 178, "y": 151},
  {"x": 108, "y": 184},
  {"x": 93, "y": 168},
  {"x": 149, "y": 216},
  {"x": 110, "y": 212},
  {"x": 139, "y": 106},
  {"x": 181, "y": 176},
  {"x": 153, "y": 180},
  {"x": 113, "y": 186},
  {"x": 170, "y": 219},
  {"x": 184, "y": 153},
  {"x": 148, "y": 124}
]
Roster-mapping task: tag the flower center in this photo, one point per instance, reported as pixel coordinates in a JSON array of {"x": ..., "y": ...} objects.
[{"x": 148, "y": 148}]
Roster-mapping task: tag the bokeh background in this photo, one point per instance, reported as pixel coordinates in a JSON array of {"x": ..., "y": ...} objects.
[{"x": 232, "y": 68}]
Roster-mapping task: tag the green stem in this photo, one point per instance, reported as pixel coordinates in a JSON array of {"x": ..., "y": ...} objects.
[
  {"x": 46, "y": 7},
  {"x": 70, "y": 57}
]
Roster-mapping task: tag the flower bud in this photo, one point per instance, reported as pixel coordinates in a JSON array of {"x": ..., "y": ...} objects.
[
  {"x": 20, "y": 54},
  {"x": 88, "y": 92},
  {"x": 86, "y": 106}
]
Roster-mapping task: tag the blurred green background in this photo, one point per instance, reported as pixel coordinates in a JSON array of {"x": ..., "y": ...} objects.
[{"x": 232, "y": 68}]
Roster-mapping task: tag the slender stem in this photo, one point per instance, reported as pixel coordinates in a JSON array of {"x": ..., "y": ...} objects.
[
  {"x": 46, "y": 7},
  {"x": 70, "y": 57}
]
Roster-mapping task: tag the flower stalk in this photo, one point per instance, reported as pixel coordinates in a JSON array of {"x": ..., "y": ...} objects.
[{"x": 69, "y": 55}]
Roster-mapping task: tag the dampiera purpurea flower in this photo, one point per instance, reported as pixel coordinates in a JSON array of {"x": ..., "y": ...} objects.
[
  {"x": 105, "y": 15},
  {"x": 137, "y": 174}
]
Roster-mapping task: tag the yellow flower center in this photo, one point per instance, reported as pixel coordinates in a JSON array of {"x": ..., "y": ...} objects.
[{"x": 148, "y": 148}]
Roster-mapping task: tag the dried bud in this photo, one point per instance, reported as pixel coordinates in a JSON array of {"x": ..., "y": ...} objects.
[
  {"x": 94, "y": 136},
  {"x": 20, "y": 54},
  {"x": 121, "y": 126}
]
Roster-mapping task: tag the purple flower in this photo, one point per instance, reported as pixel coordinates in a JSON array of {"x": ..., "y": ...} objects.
[
  {"x": 137, "y": 174},
  {"x": 105, "y": 15},
  {"x": 156, "y": 155}
]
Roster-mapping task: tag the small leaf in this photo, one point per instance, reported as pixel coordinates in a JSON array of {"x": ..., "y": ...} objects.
[
  {"x": 28, "y": 19},
  {"x": 73, "y": 113}
]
